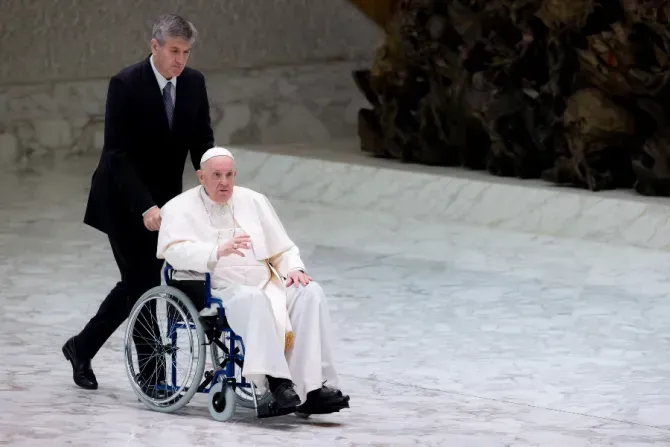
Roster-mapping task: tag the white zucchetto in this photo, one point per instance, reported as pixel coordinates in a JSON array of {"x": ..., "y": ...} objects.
[{"x": 215, "y": 152}]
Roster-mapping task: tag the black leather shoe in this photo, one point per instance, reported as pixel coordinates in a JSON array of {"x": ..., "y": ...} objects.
[
  {"x": 285, "y": 396},
  {"x": 326, "y": 393},
  {"x": 324, "y": 401},
  {"x": 82, "y": 373}
]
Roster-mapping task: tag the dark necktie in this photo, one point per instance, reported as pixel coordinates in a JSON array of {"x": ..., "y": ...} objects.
[{"x": 167, "y": 102}]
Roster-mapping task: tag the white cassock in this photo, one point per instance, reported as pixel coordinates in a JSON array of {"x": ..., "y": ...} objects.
[{"x": 286, "y": 331}]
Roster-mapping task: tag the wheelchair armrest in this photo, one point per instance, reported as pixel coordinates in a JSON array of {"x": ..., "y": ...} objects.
[{"x": 169, "y": 270}]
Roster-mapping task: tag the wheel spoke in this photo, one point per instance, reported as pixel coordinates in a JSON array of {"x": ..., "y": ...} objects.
[{"x": 164, "y": 349}]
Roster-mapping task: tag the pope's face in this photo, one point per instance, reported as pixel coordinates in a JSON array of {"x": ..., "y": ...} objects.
[{"x": 217, "y": 176}]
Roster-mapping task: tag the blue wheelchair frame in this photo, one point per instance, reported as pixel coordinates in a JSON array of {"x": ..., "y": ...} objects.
[{"x": 227, "y": 369}]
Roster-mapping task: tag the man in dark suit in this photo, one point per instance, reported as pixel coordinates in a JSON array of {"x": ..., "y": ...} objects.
[{"x": 157, "y": 110}]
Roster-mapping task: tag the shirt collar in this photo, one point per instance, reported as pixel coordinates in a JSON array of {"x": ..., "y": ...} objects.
[{"x": 162, "y": 82}]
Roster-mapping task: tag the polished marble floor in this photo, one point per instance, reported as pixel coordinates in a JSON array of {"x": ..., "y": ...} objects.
[{"x": 446, "y": 335}]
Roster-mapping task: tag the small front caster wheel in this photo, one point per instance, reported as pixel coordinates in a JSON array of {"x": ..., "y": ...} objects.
[{"x": 221, "y": 402}]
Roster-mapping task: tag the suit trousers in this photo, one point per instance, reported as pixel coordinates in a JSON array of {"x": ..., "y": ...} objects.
[{"x": 135, "y": 255}]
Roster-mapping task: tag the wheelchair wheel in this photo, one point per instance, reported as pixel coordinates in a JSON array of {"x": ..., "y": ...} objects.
[
  {"x": 221, "y": 402},
  {"x": 166, "y": 367},
  {"x": 244, "y": 395}
]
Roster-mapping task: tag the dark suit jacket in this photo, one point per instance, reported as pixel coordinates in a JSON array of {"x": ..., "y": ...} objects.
[{"x": 142, "y": 162}]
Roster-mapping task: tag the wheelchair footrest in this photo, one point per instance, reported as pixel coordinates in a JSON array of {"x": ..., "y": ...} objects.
[{"x": 270, "y": 410}]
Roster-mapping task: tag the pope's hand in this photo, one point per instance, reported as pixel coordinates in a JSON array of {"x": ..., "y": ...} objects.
[
  {"x": 297, "y": 277},
  {"x": 231, "y": 247},
  {"x": 152, "y": 219}
]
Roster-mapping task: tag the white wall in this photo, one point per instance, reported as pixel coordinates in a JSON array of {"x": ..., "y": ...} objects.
[{"x": 277, "y": 70}]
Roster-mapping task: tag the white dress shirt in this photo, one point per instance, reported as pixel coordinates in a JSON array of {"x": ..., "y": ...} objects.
[{"x": 162, "y": 82}]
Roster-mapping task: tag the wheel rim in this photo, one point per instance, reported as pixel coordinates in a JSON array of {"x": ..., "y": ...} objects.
[
  {"x": 168, "y": 333},
  {"x": 219, "y": 401}
]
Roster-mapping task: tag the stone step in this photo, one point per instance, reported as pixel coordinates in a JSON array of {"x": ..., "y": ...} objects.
[{"x": 338, "y": 175}]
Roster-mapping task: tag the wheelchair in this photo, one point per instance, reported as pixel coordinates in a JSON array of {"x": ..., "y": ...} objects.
[{"x": 177, "y": 360}]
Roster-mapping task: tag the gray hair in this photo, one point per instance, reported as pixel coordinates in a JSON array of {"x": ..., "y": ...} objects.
[{"x": 172, "y": 25}]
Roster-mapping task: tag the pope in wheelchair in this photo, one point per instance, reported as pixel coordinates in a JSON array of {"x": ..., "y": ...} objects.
[{"x": 233, "y": 275}]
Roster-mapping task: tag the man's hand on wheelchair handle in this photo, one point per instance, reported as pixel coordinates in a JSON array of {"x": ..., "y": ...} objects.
[
  {"x": 152, "y": 219},
  {"x": 297, "y": 277},
  {"x": 231, "y": 246}
]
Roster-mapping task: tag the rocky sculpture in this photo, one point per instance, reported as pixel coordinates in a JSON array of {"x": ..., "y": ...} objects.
[{"x": 572, "y": 91}]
